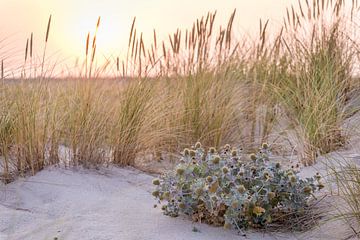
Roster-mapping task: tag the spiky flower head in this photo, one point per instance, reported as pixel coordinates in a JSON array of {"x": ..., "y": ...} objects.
[
  {"x": 266, "y": 174},
  {"x": 192, "y": 153},
  {"x": 198, "y": 145},
  {"x": 156, "y": 193},
  {"x": 209, "y": 179},
  {"x": 186, "y": 152},
  {"x": 225, "y": 170},
  {"x": 227, "y": 225},
  {"x": 253, "y": 156},
  {"x": 234, "y": 153},
  {"x": 199, "y": 191},
  {"x": 180, "y": 171},
  {"x": 216, "y": 160},
  {"x": 307, "y": 189},
  {"x": 265, "y": 146},
  {"x": 246, "y": 203},
  {"x": 235, "y": 204},
  {"x": 156, "y": 181},
  {"x": 227, "y": 147},
  {"x": 212, "y": 150},
  {"x": 278, "y": 165},
  {"x": 166, "y": 195},
  {"x": 214, "y": 187},
  {"x": 293, "y": 179},
  {"x": 271, "y": 195},
  {"x": 258, "y": 211},
  {"x": 182, "y": 205},
  {"x": 241, "y": 189}
]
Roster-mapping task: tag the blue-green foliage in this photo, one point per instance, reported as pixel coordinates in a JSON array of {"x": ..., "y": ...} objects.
[{"x": 227, "y": 188}]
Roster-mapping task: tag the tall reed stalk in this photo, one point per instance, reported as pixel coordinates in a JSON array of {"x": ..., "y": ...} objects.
[{"x": 45, "y": 46}]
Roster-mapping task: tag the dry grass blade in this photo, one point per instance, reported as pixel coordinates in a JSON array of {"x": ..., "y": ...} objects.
[
  {"x": 46, "y": 41},
  {"x": 2, "y": 69},
  {"x": 48, "y": 30}
]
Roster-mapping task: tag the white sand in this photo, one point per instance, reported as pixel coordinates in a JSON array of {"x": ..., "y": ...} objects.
[{"x": 111, "y": 204}]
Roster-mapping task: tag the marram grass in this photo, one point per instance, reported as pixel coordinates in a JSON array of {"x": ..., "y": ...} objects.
[{"x": 201, "y": 84}]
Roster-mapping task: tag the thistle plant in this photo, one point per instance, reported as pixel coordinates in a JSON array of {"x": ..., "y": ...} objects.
[{"x": 228, "y": 188}]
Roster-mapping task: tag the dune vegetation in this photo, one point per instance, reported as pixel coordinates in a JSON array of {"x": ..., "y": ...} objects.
[{"x": 292, "y": 88}]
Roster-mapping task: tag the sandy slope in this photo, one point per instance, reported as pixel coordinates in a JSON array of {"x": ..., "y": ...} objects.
[{"x": 113, "y": 204}]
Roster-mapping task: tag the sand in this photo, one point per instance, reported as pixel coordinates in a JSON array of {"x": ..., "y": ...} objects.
[
  {"x": 116, "y": 203},
  {"x": 112, "y": 203}
]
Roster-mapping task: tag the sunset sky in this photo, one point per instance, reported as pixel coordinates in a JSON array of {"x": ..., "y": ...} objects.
[{"x": 73, "y": 19}]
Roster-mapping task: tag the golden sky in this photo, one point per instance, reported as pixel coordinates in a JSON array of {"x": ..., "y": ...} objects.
[{"x": 73, "y": 19}]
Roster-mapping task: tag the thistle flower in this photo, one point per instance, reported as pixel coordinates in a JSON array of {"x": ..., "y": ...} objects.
[
  {"x": 235, "y": 204},
  {"x": 307, "y": 189},
  {"x": 234, "y": 153},
  {"x": 192, "y": 153},
  {"x": 258, "y": 211},
  {"x": 156, "y": 193},
  {"x": 198, "y": 145},
  {"x": 241, "y": 189},
  {"x": 212, "y": 150},
  {"x": 213, "y": 187},
  {"x": 265, "y": 146},
  {"x": 182, "y": 205},
  {"x": 156, "y": 182},
  {"x": 253, "y": 156},
  {"x": 209, "y": 179},
  {"x": 278, "y": 165},
  {"x": 293, "y": 179},
  {"x": 186, "y": 152},
  {"x": 266, "y": 174},
  {"x": 166, "y": 195},
  {"x": 199, "y": 191},
  {"x": 180, "y": 171},
  {"x": 216, "y": 160},
  {"x": 227, "y": 147},
  {"x": 246, "y": 203},
  {"x": 227, "y": 225},
  {"x": 271, "y": 195},
  {"x": 225, "y": 170}
]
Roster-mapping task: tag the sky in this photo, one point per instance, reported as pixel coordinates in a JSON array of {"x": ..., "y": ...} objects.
[{"x": 73, "y": 19}]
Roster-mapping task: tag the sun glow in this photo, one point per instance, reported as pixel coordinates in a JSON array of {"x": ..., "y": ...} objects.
[{"x": 73, "y": 20}]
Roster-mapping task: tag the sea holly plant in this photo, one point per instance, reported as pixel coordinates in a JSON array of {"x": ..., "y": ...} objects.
[{"x": 228, "y": 188}]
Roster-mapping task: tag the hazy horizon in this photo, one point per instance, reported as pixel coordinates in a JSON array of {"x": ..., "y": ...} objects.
[{"x": 72, "y": 20}]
